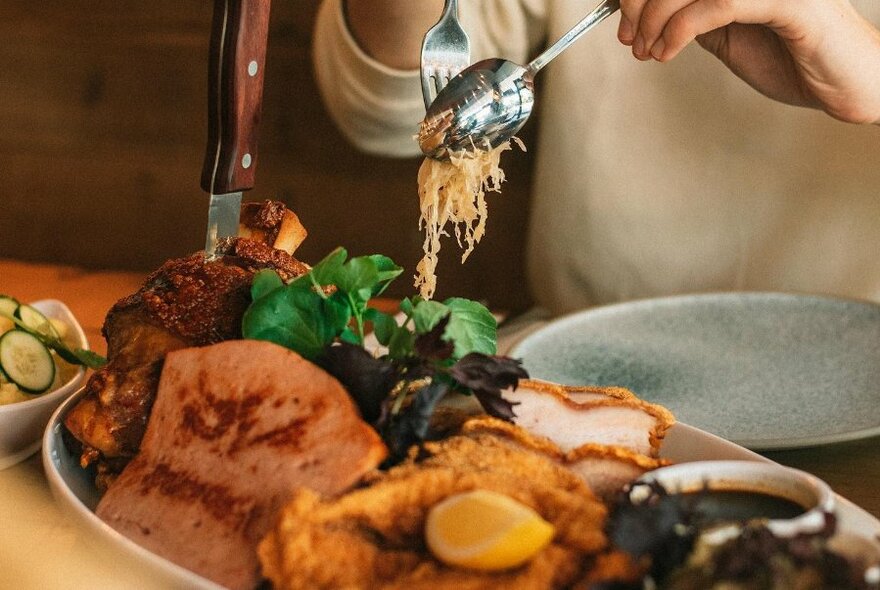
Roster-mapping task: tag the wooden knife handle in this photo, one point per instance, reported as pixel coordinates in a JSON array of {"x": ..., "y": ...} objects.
[{"x": 235, "y": 93}]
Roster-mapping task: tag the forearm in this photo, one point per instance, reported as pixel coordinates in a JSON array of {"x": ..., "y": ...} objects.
[
  {"x": 377, "y": 107},
  {"x": 391, "y": 31}
]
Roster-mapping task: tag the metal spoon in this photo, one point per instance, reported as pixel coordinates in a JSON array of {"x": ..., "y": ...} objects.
[{"x": 488, "y": 102}]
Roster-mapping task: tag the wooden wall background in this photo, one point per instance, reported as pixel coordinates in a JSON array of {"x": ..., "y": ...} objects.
[{"x": 102, "y": 129}]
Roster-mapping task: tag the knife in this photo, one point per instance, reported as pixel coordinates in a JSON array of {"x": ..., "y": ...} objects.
[{"x": 239, "y": 34}]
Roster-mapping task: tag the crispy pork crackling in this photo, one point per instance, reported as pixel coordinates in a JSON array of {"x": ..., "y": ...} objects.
[{"x": 236, "y": 428}]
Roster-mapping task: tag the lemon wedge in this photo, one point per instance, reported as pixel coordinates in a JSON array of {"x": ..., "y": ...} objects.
[{"x": 485, "y": 530}]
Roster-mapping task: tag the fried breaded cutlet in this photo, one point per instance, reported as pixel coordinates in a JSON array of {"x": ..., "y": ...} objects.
[{"x": 373, "y": 537}]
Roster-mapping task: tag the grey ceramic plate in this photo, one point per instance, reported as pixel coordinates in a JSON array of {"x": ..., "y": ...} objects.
[{"x": 764, "y": 370}]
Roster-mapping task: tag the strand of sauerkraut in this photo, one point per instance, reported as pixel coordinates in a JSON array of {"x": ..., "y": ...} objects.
[{"x": 454, "y": 191}]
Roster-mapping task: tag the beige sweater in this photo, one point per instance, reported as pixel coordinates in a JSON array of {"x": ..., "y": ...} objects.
[{"x": 652, "y": 179}]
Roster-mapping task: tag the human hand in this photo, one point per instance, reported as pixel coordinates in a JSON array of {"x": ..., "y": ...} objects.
[{"x": 816, "y": 53}]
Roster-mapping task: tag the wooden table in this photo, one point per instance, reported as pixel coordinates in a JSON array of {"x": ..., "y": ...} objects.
[
  {"x": 40, "y": 548},
  {"x": 88, "y": 294}
]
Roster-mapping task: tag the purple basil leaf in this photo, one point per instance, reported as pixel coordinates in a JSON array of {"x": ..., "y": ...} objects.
[
  {"x": 368, "y": 380},
  {"x": 486, "y": 376},
  {"x": 413, "y": 368},
  {"x": 410, "y": 426},
  {"x": 664, "y": 527},
  {"x": 496, "y": 405},
  {"x": 431, "y": 345}
]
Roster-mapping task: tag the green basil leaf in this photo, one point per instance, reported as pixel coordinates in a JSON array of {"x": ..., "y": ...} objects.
[
  {"x": 265, "y": 281},
  {"x": 388, "y": 271},
  {"x": 350, "y": 337},
  {"x": 358, "y": 275},
  {"x": 384, "y": 325},
  {"x": 337, "y": 312},
  {"x": 328, "y": 271},
  {"x": 295, "y": 318},
  {"x": 407, "y": 305},
  {"x": 363, "y": 295},
  {"x": 400, "y": 345},
  {"x": 471, "y": 327},
  {"x": 427, "y": 314}
]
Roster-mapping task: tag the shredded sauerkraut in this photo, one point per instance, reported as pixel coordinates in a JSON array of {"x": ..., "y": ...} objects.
[{"x": 454, "y": 191}]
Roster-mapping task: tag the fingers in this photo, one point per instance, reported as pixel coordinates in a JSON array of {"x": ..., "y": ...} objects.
[
  {"x": 666, "y": 32},
  {"x": 649, "y": 24},
  {"x": 630, "y": 14},
  {"x": 660, "y": 29}
]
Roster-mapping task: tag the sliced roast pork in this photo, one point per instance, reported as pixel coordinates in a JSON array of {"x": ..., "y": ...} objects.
[
  {"x": 608, "y": 468},
  {"x": 606, "y": 435},
  {"x": 609, "y": 416}
]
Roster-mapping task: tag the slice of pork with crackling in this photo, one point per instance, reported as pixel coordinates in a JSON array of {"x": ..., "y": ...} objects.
[
  {"x": 606, "y": 435},
  {"x": 236, "y": 427},
  {"x": 605, "y": 468},
  {"x": 605, "y": 416},
  {"x": 186, "y": 302},
  {"x": 608, "y": 468}
]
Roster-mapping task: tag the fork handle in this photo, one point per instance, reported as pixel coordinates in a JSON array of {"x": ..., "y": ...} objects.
[
  {"x": 597, "y": 15},
  {"x": 237, "y": 63},
  {"x": 450, "y": 9}
]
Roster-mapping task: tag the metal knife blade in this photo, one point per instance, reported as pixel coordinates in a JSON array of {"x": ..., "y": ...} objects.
[
  {"x": 223, "y": 212},
  {"x": 239, "y": 35}
]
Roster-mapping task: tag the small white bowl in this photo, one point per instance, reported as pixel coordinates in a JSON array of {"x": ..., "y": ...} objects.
[
  {"x": 22, "y": 423},
  {"x": 808, "y": 491}
]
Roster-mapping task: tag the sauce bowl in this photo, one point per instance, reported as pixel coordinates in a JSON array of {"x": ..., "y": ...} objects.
[{"x": 761, "y": 480}]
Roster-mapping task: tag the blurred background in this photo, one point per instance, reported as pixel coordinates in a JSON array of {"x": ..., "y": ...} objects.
[{"x": 102, "y": 130}]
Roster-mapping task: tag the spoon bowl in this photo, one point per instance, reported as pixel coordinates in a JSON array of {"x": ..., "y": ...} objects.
[
  {"x": 484, "y": 106},
  {"x": 488, "y": 102}
]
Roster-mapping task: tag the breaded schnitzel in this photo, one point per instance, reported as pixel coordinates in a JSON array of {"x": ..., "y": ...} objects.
[{"x": 373, "y": 537}]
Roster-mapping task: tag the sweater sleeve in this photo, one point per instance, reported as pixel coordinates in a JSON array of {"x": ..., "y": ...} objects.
[{"x": 378, "y": 108}]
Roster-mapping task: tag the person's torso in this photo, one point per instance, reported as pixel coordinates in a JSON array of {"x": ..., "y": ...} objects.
[{"x": 654, "y": 179}]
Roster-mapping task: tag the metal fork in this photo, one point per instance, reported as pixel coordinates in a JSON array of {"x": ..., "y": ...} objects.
[{"x": 446, "y": 51}]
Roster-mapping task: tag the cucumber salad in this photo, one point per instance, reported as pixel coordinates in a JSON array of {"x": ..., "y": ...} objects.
[{"x": 35, "y": 355}]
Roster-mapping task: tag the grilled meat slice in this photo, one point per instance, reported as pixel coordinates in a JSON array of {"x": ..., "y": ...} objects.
[
  {"x": 236, "y": 427},
  {"x": 186, "y": 302}
]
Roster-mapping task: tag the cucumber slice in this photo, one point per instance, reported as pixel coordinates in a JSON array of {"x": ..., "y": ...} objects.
[
  {"x": 26, "y": 361},
  {"x": 8, "y": 305},
  {"x": 36, "y": 321}
]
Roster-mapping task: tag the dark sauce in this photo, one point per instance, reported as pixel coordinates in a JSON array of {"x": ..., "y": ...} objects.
[{"x": 738, "y": 505}]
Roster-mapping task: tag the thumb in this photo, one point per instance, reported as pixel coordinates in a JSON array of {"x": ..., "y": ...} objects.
[
  {"x": 757, "y": 55},
  {"x": 716, "y": 42}
]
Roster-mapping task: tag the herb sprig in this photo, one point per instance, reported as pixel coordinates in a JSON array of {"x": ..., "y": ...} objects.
[
  {"x": 438, "y": 347},
  {"x": 74, "y": 356}
]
